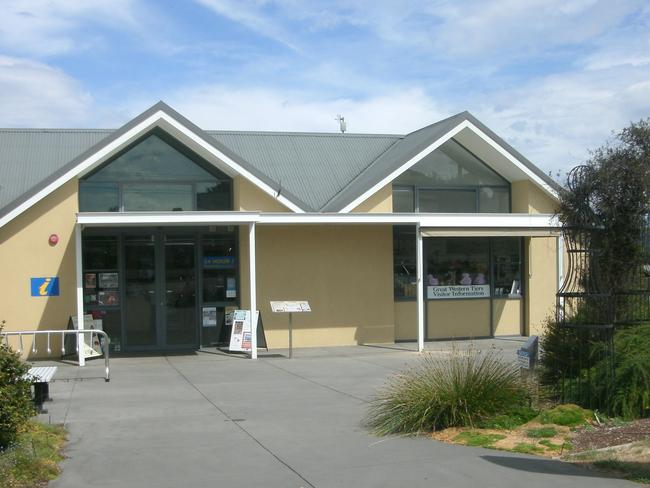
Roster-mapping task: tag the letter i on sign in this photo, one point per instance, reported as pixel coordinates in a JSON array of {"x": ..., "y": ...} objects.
[{"x": 42, "y": 290}]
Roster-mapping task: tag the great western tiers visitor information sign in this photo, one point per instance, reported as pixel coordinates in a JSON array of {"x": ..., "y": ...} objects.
[{"x": 458, "y": 291}]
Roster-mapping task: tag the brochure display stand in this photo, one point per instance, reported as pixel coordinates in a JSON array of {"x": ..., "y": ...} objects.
[
  {"x": 92, "y": 346},
  {"x": 240, "y": 335}
]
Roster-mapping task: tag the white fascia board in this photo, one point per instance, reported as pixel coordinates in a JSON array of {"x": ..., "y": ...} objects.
[
  {"x": 113, "y": 219},
  {"x": 523, "y": 221},
  {"x": 411, "y": 162},
  {"x": 234, "y": 166},
  {"x": 337, "y": 218},
  {"x": 495, "y": 221},
  {"x": 85, "y": 165},
  {"x": 525, "y": 169}
]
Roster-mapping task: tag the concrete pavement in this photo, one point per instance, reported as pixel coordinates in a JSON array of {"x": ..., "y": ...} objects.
[{"x": 208, "y": 419}]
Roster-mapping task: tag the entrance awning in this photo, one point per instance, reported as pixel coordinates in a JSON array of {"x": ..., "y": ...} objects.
[{"x": 488, "y": 232}]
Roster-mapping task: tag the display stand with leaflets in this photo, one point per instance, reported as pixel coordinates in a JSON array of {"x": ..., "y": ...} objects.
[
  {"x": 290, "y": 307},
  {"x": 92, "y": 346},
  {"x": 241, "y": 332}
]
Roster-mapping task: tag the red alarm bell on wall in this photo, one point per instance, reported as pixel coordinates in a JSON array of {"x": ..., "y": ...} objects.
[{"x": 53, "y": 240}]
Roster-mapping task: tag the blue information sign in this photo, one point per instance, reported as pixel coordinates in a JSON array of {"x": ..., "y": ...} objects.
[
  {"x": 218, "y": 262},
  {"x": 45, "y": 287}
]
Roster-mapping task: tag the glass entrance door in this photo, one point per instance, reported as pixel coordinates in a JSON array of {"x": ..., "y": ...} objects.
[
  {"x": 160, "y": 291},
  {"x": 180, "y": 308},
  {"x": 141, "y": 291}
]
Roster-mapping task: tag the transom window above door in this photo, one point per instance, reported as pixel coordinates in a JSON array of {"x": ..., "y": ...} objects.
[
  {"x": 451, "y": 180},
  {"x": 155, "y": 174}
]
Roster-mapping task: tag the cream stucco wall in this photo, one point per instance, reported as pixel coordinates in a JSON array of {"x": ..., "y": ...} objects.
[
  {"x": 345, "y": 272},
  {"x": 458, "y": 318},
  {"x": 529, "y": 198},
  {"x": 380, "y": 202},
  {"x": 541, "y": 281},
  {"x": 507, "y": 316},
  {"x": 248, "y": 197},
  {"x": 406, "y": 320},
  {"x": 26, "y": 253}
]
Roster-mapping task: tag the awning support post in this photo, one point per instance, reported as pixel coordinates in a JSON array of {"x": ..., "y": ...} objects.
[
  {"x": 80, "y": 293},
  {"x": 420, "y": 287},
  {"x": 253, "y": 291}
]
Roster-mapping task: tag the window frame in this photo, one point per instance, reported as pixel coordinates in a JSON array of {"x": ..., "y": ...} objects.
[{"x": 219, "y": 176}]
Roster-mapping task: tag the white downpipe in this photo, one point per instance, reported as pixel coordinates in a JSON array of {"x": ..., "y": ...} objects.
[
  {"x": 420, "y": 289},
  {"x": 253, "y": 292},
  {"x": 80, "y": 293}
]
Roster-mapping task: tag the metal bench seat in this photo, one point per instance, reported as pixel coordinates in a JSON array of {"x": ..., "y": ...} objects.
[{"x": 41, "y": 376}]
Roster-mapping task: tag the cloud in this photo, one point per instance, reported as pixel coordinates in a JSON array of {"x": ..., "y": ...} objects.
[
  {"x": 239, "y": 108},
  {"x": 37, "y": 95},
  {"x": 55, "y": 27},
  {"x": 252, "y": 16}
]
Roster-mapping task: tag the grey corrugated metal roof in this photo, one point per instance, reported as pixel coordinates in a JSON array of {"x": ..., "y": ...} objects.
[
  {"x": 316, "y": 171},
  {"x": 29, "y": 156},
  {"x": 314, "y": 167}
]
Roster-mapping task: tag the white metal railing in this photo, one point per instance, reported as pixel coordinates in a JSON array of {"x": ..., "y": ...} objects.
[{"x": 105, "y": 344}]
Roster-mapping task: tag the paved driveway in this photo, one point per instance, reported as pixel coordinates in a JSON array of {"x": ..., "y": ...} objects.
[{"x": 213, "y": 420}]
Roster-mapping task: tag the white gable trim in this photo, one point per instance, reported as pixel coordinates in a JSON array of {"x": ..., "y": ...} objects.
[
  {"x": 534, "y": 177},
  {"x": 414, "y": 160},
  {"x": 466, "y": 124},
  {"x": 165, "y": 122}
]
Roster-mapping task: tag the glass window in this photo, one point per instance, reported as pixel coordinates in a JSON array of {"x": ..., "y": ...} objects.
[
  {"x": 506, "y": 256},
  {"x": 457, "y": 261},
  {"x": 447, "y": 201},
  {"x": 214, "y": 196},
  {"x": 494, "y": 199},
  {"x": 450, "y": 165},
  {"x": 99, "y": 197},
  {"x": 155, "y": 175},
  {"x": 157, "y": 196},
  {"x": 404, "y": 262},
  {"x": 451, "y": 180},
  {"x": 403, "y": 199}
]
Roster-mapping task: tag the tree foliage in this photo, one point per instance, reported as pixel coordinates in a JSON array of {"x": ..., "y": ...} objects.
[
  {"x": 15, "y": 395},
  {"x": 611, "y": 194}
]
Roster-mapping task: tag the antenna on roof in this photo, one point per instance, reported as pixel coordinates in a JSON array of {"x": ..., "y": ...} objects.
[{"x": 342, "y": 125}]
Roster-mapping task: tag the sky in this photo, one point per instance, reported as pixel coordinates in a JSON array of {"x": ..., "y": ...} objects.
[{"x": 555, "y": 78}]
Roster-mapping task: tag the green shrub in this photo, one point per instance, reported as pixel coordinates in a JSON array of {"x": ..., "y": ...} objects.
[
  {"x": 541, "y": 432},
  {"x": 509, "y": 420},
  {"x": 526, "y": 448},
  {"x": 460, "y": 390},
  {"x": 478, "y": 439},
  {"x": 568, "y": 415},
  {"x": 15, "y": 395},
  {"x": 631, "y": 394}
]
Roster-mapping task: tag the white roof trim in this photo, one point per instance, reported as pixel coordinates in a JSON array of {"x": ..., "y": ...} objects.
[
  {"x": 466, "y": 124},
  {"x": 414, "y": 160},
  {"x": 534, "y": 177},
  {"x": 448, "y": 221},
  {"x": 158, "y": 119}
]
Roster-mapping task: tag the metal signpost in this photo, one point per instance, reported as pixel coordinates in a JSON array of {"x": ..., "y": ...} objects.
[{"x": 290, "y": 307}]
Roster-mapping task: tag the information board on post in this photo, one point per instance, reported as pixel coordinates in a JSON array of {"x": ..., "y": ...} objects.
[{"x": 290, "y": 307}]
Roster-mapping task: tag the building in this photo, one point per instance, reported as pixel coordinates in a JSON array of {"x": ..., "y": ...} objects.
[{"x": 148, "y": 226}]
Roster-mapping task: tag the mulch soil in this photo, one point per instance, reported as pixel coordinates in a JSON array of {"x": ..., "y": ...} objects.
[{"x": 600, "y": 436}]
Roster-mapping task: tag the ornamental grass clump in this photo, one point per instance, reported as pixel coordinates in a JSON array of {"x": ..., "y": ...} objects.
[{"x": 439, "y": 392}]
